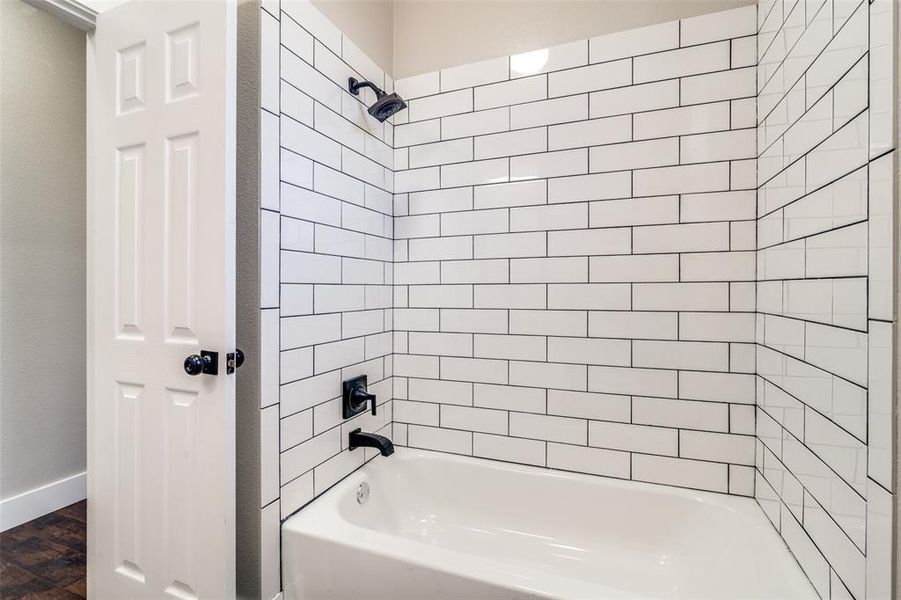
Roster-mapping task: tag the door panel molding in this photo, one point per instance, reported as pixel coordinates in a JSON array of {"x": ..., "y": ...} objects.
[{"x": 161, "y": 287}]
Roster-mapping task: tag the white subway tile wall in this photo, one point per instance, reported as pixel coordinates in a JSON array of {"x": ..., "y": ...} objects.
[
  {"x": 325, "y": 260},
  {"x": 824, "y": 293},
  {"x": 664, "y": 254},
  {"x": 574, "y": 256}
]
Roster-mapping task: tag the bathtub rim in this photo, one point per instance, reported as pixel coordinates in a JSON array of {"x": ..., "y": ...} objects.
[{"x": 322, "y": 519}]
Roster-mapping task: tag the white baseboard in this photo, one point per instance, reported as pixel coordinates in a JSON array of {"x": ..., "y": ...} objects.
[{"x": 43, "y": 500}]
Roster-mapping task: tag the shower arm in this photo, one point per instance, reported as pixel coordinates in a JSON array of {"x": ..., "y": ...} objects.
[{"x": 354, "y": 86}]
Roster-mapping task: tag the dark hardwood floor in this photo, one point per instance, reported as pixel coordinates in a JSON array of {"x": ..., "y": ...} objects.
[{"x": 46, "y": 558}]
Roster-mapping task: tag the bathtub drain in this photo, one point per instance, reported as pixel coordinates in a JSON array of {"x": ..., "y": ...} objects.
[{"x": 363, "y": 493}]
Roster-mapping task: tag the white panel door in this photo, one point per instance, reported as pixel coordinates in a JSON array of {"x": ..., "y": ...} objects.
[{"x": 161, "y": 287}]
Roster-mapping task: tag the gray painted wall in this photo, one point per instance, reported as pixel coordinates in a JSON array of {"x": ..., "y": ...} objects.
[
  {"x": 247, "y": 400},
  {"x": 409, "y": 37},
  {"x": 369, "y": 23},
  {"x": 42, "y": 249},
  {"x": 427, "y": 35}
]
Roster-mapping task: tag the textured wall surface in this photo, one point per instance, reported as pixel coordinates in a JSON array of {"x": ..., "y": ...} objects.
[
  {"x": 825, "y": 291},
  {"x": 574, "y": 256},
  {"x": 42, "y": 230}
]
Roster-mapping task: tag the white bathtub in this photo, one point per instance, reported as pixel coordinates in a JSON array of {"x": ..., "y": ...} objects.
[{"x": 441, "y": 526}]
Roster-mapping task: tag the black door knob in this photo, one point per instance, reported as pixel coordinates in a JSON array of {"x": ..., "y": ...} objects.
[
  {"x": 207, "y": 362},
  {"x": 239, "y": 357},
  {"x": 194, "y": 364}
]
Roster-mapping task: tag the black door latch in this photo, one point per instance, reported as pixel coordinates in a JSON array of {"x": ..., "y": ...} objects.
[
  {"x": 207, "y": 362},
  {"x": 233, "y": 360}
]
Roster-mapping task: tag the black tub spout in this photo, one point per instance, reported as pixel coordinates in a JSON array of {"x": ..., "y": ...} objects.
[{"x": 359, "y": 439}]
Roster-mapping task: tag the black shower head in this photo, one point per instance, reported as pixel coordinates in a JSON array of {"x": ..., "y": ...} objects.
[{"x": 385, "y": 104}]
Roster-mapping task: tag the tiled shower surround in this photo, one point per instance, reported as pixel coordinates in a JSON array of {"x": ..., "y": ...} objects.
[
  {"x": 661, "y": 255},
  {"x": 330, "y": 207},
  {"x": 824, "y": 291},
  {"x": 326, "y": 232},
  {"x": 574, "y": 256}
]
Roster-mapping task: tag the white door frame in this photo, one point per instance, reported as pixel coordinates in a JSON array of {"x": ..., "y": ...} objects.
[{"x": 71, "y": 11}]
